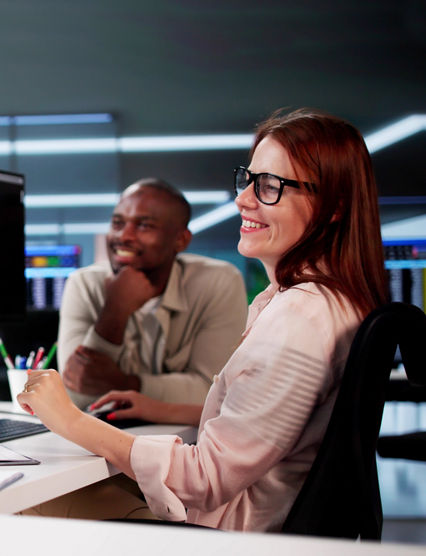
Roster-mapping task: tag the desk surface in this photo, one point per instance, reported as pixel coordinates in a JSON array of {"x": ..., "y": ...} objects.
[
  {"x": 67, "y": 537},
  {"x": 64, "y": 466}
]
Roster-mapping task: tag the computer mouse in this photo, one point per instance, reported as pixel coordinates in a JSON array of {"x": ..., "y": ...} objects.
[{"x": 119, "y": 423}]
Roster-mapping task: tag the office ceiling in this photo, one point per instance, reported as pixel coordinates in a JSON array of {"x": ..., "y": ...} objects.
[
  {"x": 194, "y": 66},
  {"x": 175, "y": 66}
]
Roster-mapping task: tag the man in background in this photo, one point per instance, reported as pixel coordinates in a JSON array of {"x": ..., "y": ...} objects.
[{"x": 151, "y": 320}]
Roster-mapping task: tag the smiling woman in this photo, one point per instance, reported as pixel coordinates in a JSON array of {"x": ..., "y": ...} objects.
[{"x": 267, "y": 410}]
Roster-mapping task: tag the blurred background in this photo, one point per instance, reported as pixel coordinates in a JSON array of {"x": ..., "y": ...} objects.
[
  {"x": 159, "y": 81},
  {"x": 97, "y": 94}
]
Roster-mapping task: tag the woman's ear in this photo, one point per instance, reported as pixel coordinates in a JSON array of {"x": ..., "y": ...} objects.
[{"x": 337, "y": 213}]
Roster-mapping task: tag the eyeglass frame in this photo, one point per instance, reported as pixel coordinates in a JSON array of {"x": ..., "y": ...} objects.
[{"x": 253, "y": 177}]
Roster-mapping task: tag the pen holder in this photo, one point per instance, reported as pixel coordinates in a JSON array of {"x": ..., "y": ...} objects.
[{"x": 17, "y": 379}]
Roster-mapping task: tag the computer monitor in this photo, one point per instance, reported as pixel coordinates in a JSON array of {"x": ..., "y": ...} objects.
[
  {"x": 12, "y": 244},
  {"x": 405, "y": 261},
  {"x": 46, "y": 269}
]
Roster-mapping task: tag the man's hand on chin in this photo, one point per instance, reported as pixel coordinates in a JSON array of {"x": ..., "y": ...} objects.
[{"x": 91, "y": 372}]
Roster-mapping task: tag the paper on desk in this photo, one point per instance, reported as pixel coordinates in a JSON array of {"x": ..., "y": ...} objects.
[{"x": 10, "y": 457}]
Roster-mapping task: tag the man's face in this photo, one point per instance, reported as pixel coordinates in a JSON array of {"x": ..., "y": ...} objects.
[{"x": 145, "y": 232}]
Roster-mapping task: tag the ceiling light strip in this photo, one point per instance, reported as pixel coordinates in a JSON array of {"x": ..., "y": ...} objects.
[
  {"x": 88, "y": 228},
  {"x": 395, "y": 132},
  {"x": 213, "y": 217},
  {"x": 111, "y": 199},
  {"x": 56, "y": 119},
  {"x": 375, "y": 141}
]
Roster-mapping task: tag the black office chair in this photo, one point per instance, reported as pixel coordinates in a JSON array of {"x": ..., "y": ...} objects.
[
  {"x": 411, "y": 446},
  {"x": 341, "y": 496}
]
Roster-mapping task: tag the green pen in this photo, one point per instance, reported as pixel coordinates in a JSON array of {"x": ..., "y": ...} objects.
[
  {"x": 5, "y": 355},
  {"x": 49, "y": 356}
]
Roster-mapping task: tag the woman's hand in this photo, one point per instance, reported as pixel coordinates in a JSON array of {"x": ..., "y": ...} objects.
[{"x": 45, "y": 396}]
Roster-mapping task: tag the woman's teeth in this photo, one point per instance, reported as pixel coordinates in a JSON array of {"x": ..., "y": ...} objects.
[{"x": 251, "y": 224}]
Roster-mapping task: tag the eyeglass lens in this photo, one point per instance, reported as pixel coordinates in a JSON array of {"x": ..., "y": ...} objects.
[{"x": 267, "y": 187}]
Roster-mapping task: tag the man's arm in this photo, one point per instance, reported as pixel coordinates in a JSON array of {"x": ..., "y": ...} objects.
[{"x": 94, "y": 314}]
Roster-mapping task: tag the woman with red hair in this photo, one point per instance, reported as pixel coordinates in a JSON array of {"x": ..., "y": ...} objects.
[{"x": 308, "y": 204}]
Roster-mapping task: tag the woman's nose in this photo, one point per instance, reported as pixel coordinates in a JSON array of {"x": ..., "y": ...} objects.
[{"x": 247, "y": 198}]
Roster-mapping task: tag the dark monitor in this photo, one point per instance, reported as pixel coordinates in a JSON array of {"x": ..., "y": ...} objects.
[
  {"x": 12, "y": 242},
  {"x": 46, "y": 269}
]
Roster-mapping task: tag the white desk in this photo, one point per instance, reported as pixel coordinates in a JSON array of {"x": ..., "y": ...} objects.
[
  {"x": 24, "y": 536},
  {"x": 64, "y": 466}
]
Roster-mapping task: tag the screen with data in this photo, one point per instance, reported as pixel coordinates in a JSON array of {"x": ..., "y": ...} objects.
[{"x": 47, "y": 268}]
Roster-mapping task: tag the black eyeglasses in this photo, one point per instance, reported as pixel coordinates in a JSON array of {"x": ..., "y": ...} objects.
[{"x": 268, "y": 188}]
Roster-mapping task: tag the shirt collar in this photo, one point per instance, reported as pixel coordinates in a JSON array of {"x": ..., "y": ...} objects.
[{"x": 174, "y": 296}]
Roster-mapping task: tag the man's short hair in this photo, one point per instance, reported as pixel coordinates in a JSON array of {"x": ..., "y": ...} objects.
[{"x": 165, "y": 187}]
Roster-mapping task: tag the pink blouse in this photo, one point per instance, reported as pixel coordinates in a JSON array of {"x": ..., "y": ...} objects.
[{"x": 263, "y": 419}]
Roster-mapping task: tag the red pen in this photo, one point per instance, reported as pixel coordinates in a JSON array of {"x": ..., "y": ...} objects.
[{"x": 37, "y": 359}]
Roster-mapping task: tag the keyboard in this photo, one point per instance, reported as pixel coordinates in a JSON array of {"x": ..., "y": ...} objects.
[{"x": 11, "y": 429}]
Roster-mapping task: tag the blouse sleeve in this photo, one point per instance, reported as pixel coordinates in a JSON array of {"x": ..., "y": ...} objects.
[{"x": 265, "y": 395}]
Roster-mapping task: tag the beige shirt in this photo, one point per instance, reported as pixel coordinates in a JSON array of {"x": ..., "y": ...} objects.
[{"x": 193, "y": 328}]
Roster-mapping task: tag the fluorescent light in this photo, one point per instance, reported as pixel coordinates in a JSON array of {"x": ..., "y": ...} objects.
[
  {"x": 395, "y": 132},
  {"x": 56, "y": 119},
  {"x": 86, "y": 228},
  {"x": 174, "y": 143},
  {"x": 406, "y": 228},
  {"x": 206, "y": 197},
  {"x": 111, "y": 199},
  {"x": 72, "y": 200},
  {"x": 65, "y": 146},
  {"x": 5, "y": 148},
  {"x": 127, "y": 144},
  {"x": 42, "y": 229},
  {"x": 89, "y": 228},
  {"x": 213, "y": 217},
  {"x": 185, "y": 143}
]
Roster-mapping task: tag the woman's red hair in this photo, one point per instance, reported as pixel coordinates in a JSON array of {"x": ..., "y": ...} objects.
[{"x": 342, "y": 247}]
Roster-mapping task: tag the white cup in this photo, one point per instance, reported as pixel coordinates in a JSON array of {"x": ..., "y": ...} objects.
[{"x": 17, "y": 379}]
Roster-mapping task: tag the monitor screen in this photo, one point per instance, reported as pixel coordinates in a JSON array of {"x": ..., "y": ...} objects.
[
  {"x": 405, "y": 261},
  {"x": 12, "y": 240},
  {"x": 46, "y": 269}
]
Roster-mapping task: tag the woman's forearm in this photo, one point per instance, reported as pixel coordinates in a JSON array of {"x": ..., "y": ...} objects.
[{"x": 102, "y": 439}]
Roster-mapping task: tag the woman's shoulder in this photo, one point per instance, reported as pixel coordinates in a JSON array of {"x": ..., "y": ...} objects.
[{"x": 313, "y": 303}]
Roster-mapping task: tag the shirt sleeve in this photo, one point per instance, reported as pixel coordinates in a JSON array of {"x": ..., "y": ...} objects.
[{"x": 271, "y": 386}]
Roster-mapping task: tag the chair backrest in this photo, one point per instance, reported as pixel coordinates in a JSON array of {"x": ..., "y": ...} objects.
[{"x": 341, "y": 496}]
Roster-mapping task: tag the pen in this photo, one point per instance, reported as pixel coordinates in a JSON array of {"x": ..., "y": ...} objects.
[
  {"x": 50, "y": 356},
  {"x": 10, "y": 480},
  {"x": 7, "y": 359},
  {"x": 41, "y": 363},
  {"x": 30, "y": 360},
  {"x": 20, "y": 362},
  {"x": 37, "y": 359}
]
